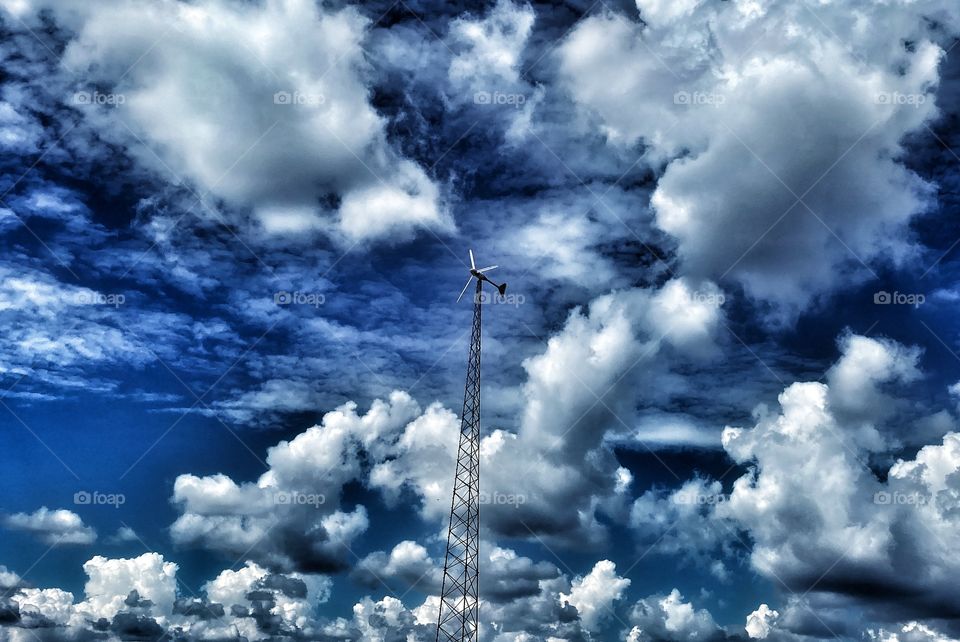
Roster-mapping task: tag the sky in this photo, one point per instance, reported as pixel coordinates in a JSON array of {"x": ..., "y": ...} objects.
[{"x": 720, "y": 399}]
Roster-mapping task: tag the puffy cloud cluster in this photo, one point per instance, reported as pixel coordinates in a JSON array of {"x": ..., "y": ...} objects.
[
  {"x": 408, "y": 566},
  {"x": 846, "y": 540},
  {"x": 910, "y": 632},
  {"x": 519, "y": 596},
  {"x": 578, "y": 389},
  {"x": 667, "y": 617},
  {"x": 550, "y": 476},
  {"x": 760, "y": 622},
  {"x": 594, "y": 594},
  {"x": 684, "y": 523},
  {"x": 111, "y": 581},
  {"x": 291, "y": 517},
  {"x": 137, "y": 598},
  {"x": 780, "y": 139},
  {"x": 506, "y": 576},
  {"x": 816, "y": 515}
]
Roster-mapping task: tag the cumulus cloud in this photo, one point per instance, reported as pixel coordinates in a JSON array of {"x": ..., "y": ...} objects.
[
  {"x": 684, "y": 523},
  {"x": 54, "y": 527},
  {"x": 541, "y": 614},
  {"x": 137, "y": 598},
  {"x": 286, "y": 131},
  {"x": 266, "y": 603},
  {"x": 579, "y": 388},
  {"x": 910, "y": 632},
  {"x": 110, "y": 582},
  {"x": 856, "y": 382},
  {"x": 668, "y": 617},
  {"x": 813, "y": 129},
  {"x": 506, "y": 575},
  {"x": 47, "y": 606},
  {"x": 407, "y": 565},
  {"x": 819, "y": 518},
  {"x": 291, "y": 518},
  {"x": 594, "y": 594},
  {"x": 845, "y": 540},
  {"x": 760, "y": 622}
]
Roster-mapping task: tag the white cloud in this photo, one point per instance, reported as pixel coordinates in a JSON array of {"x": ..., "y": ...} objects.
[
  {"x": 910, "y": 632},
  {"x": 290, "y": 598},
  {"x": 684, "y": 522},
  {"x": 18, "y": 132},
  {"x": 675, "y": 430},
  {"x": 855, "y": 380},
  {"x": 408, "y": 564},
  {"x": 574, "y": 393},
  {"x": 744, "y": 125},
  {"x": 54, "y": 605},
  {"x": 124, "y": 534},
  {"x": 53, "y": 527},
  {"x": 486, "y": 68},
  {"x": 582, "y": 386},
  {"x": 594, "y": 594},
  {"x": 110, "y": 581},
  {"x": 760, "y": 622},
  {"x": 818, "y": 517},
  {"x": 132, "y": 596},
  {"x": 231, "y": 587},
  {"x": 667, "y": 618},
  {"x": 8, "y": 578},
  {"x": 492, "y": 45},
  {"x": 291, "y": 517},
  {"x": 286, "y": 125}
]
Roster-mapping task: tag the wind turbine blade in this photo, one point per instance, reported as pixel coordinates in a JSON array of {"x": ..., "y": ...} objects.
[
  {"x": 486, "y": 269},
  {"x": 473, "y": 266},
  {"x": 464, "y": 289}
]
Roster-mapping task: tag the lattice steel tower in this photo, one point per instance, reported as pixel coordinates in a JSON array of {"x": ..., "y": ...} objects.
[{"x": 459, "y": 596}]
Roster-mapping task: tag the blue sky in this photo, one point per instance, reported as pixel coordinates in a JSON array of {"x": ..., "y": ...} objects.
[{"x": 721, "y": 402}]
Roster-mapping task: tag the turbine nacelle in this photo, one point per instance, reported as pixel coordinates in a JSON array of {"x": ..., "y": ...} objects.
[{"x": 479, "y": 275}]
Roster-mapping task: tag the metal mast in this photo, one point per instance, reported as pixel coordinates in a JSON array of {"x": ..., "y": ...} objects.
[{"x": 459, "y": 597}]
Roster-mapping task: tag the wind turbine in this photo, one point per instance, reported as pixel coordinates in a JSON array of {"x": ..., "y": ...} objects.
[
  {"x": 458, "y": 619},
  {"x": 480, "y": 276}
]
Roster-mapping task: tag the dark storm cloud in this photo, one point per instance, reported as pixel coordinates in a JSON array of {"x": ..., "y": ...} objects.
[
  {"x": 131, "y": 626},
  {"x": 199, "y": 608}
]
